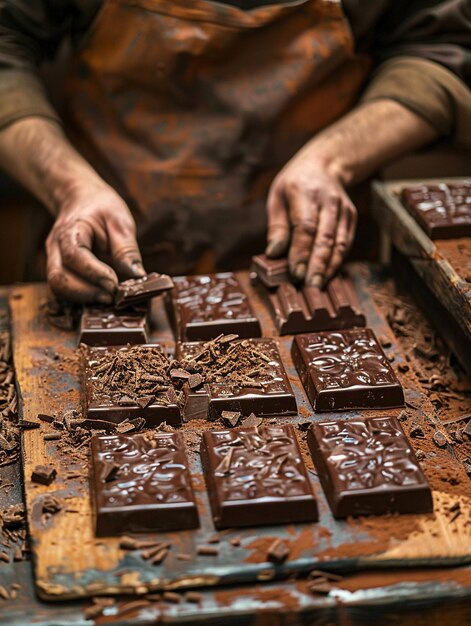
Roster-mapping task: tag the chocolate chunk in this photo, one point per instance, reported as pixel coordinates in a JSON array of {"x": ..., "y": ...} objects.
[
  {"x": 203, "y": 307},
  {"x": 367, "y": 467},
  {"x": 195, "y": 381},
  {"x": 416, "y": 430},
  {"x": 28, "y": 424},
  {"x": 43, "y": 474},
  {"x": 194, "y": 596},
  {"x": 439, "y": 439},
  {"x": 256, "y": 476},
  {"x": 139, "y": 290},
  {"x": 106, "y": 327},
  {"x": 345, "y": 370},
  {"x": 180, "y": 374},
  {"x": 442, "y": 210},
  {"x": 52, "y": 436},
  {"x": 195, "y": 403},
  {"x": 230, "y": 418},
  {"x": 119, "y": 380},
  {"x": 243, "y": 375},
  {"x": 207, "y": 550},
  {"x": 45, "y": 418},
  {"x": 278, "y": 551},
  {"x": 171, "y": 596},
  {"x": 271, "y": 272},
  {"x": 152, "y": 490},
  {"x": 252, "y": 420}
]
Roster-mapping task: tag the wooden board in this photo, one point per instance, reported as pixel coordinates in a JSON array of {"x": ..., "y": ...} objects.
[
  {"x": 70, "y": 562},
  {"x": 429, "y": 258}
]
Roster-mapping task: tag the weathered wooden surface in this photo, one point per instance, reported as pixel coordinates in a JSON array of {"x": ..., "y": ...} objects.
[
  {"x": 70, "y": 562},
  {"x": 441, "y": 277}
]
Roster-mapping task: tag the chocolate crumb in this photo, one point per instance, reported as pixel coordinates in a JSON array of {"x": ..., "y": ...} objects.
[
  {"x": 172, "y": 597},
  {"x": 43, "y": 474},
  {"x": 416, "y": 431},
  {"x": 207, "y": 550},
  {"x": 439, "y": 439},
  {"x": 193, "y": 596},
  {"x": 183, "y": 556},
  {"x": 278, "y": 551},
  {"x": 230, "y": 418}
]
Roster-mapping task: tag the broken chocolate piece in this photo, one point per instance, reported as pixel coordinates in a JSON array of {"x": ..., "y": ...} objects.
[
  {"x": 152, "y": 490},
  {"x": 43, "y": 474},
  {"x": 442, "y": 210},
  {"x": 45, "y": 418},
  {"x": 368, "y": 467},
  {"x": 256, "y": 476},
  {"x": 203, "y": 307},
  {"x": 439, "y": 439},
  {"x": 102, "y": 326},
  {"x": 278, "y": 552},
  {"x": 271, "y": 272},
  {"x": 195, "y": 403},
  {"x": 230, "y": 418},
  {"x": 137, "y": 291},
  {"x": 345, "y": 370}
]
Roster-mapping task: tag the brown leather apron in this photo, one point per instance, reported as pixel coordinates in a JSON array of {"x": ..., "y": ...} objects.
[{"x": 190, "y": 107}]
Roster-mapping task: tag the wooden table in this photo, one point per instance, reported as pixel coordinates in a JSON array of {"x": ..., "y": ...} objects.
[{"x": 359, "y": 597}]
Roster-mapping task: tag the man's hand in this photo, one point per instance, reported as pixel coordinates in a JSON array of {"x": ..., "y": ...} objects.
[
  {"x": 92, "y": 243},
  {"x": 310, "y": 214}
]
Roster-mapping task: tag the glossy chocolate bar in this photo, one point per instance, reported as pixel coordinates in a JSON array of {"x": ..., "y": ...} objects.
[
  {"x": 265, "y": 393},
  {"x": 137, "y": 291},
  {"x": 203, "y": 307},
  {"x": 105, "y": 397},
  {"x": 443, "y": 210},
  {"x": 345, "y": 370},
  {"x": 106, "y": 327},
  {"x": 141, "y": 483},
  {"x": 256, "y": 475},
  {"x": 271, "y": 272},
  {"x": 368, "y": 467}
]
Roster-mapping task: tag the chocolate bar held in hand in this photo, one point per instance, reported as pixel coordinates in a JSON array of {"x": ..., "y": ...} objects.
[
  {"x": 139, "y": 290},
  {"x": 141, "y": 483},
  {"x": 203, "y": 307},
  {"x": 345, "y": 370},
  {"x": 368, "y": 467},
  {"x": 127, "y": 382},
  {"x": 443, "y": 210},
  {"x": 271, "y": 272},
  {"x": 242, "y": 375},
  {"x": 255, "y": 476},
  {"x": 102, "y": 326}
]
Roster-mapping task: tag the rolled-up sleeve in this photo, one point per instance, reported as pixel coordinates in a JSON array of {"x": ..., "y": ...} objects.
[{"x": 430, "y": 90}]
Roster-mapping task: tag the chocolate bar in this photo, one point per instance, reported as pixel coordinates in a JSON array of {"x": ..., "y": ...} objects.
[
  {"x": 203, "y": 307},
  {"x": 127, "y": 382},
  {"x": 345, "y": 370},
  {"x": 442, "y": 210},
  {"x": 149, "y": 488},
  {"x": 368, "y": 467},
  {"x": 256, "y": 476},
  {"x": 104, "y": 327},
  {"x": 139, "y": 290},
  {"x": 242, "y": 375},
  {"x": 271, "y": 272}
]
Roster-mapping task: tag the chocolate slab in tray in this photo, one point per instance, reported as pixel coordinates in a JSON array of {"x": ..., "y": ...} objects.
[
  {"x": 101, "y": 326},
  {"x": 203, "y": 307},
  {"x": 270, "y": 450}
]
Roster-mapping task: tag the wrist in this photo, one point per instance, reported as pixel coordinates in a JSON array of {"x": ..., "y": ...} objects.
[{"x": 330, "y": 160}]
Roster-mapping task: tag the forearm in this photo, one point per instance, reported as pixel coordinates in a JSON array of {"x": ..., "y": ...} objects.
[
  {"x": 37, "y": 154},
  {"x": 367, "y": 138}
]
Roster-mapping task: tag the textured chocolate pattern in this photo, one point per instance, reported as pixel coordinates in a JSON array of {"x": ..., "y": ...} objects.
[
  {"x": 151, "y": 489},
  {"x": 442, "y": 210},
  {"x": 104, "y": 327},
  {"x": 347, "y": 369},
  {"x": 206, "y": 306},
  {"x": 255, "y": 475},
  {"x": 368, "y": 466}
]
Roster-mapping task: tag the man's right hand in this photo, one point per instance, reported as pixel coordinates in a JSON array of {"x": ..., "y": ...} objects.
[{"x": 92, "y": 243}]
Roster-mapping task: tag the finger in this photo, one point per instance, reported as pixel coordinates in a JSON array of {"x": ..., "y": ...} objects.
[
  {"x": 278, "y": 225},
  {"x": 304, "y": 218},
  {"x": 67, "y": 285},
  {"x": 125, "y": 255},
  {"x": 324, "y": 243},
  {"x": 76, "y": 254},
  {"x": 344, "y": 239}
]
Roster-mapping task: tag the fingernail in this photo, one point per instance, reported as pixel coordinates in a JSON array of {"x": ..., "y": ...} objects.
[
  {"x": 107, "y": 284},
  {"x": 316, "y": 281},
  {"x": 137, "y": 268},
  {"x": 275, "y": 248},
  {"x": 104, "y": 298},
  {"x": 300, "y": 271}
]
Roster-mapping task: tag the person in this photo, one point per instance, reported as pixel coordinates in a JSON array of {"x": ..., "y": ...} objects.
[{"x": 195, "y": 127}]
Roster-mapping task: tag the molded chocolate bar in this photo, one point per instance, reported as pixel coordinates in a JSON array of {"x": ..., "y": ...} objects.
[
  {"x": 127, "y": 382},
  {"x": 106, "y": 327},
  {"x": 264, "y": 389},
  {"x": 302, "y": 309},
  {"x": 203, "y": 307},
  {"x": 256, "y": 475},
  {"x": 140, "y": 290},
  {"x": 345, "y": 370},
  {"x": 443, "y": 211},
  {"x": 368, "y": 467},
  {"x": 141, "y": 483},
  {"x": 271, "y": 272}
]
